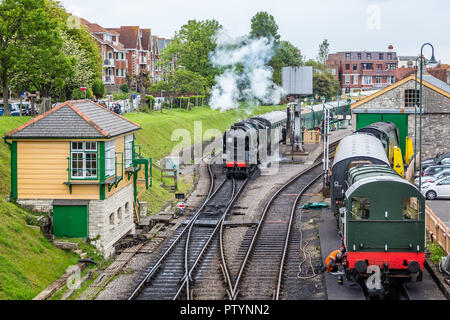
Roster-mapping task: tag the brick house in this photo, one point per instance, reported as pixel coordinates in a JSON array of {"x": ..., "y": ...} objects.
[
  {"x": 113, "y": 53},
  {"x": 396, "y": 104},
  {"x": 363, "y": 70},
  {"x": 78, "y": 162}
]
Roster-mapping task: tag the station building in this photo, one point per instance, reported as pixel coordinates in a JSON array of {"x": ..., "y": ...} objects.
[
  {"x": 396, "y": 102},
  {"x": 78, "y": 162}
]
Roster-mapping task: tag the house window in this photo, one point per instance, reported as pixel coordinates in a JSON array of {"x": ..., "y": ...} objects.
[
  {"x": 379, "y": 67},
  {"x": 119, "y": 215},
  {"x": 355, "y": 79},
  {"x": 110, "y": 158},
  {"x": 366, "y": 79},
  {"x": 347, "y": 79},
  {"x": 389, "y": 56},
  {"x": 359, "y": 56},
  {"x": 129, "y": 150},
  {"x": 347, "y": 56},
  {"x": 369, "y": 56},
  {"x": 355, "y": 67},
  {"x": 84, "y": 160},
  {"x": 381, "y": 56},
  {"x": 347, "y": 67},
  {"x": 411, "y": 98},
  {"x": 333, "y": 72},
  {"x": 111, "y": 219},
  {"x": 360, "y": 208},
  {"x": 378, "y": 79}
]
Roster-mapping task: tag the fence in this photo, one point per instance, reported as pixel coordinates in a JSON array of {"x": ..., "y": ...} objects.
[{"x": 437, "y": 230}]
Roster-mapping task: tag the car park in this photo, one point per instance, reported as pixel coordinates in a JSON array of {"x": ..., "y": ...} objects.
[
  {"x": 440, "y": 159},
  {"x": 437, "y": 189},
  {"x": 432, "y": 178}
]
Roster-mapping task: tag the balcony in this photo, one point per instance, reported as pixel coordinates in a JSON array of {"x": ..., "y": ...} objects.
[
  {"x": 109, "y": 63},
  {"x": 108, "y": 79}
]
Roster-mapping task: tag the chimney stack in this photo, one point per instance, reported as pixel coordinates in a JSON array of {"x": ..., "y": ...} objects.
[{"x": 390, "y": 48}]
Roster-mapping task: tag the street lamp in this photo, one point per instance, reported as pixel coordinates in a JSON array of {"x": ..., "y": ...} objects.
[
  {"x": 432, "y": 60},
  {"x": 339, "y": 100}
]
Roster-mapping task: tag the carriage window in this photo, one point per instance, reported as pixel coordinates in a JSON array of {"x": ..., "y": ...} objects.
[
  {"x": 358, "y": 163},
  {"x": 411, "y": 209},
  {"x": 360, "y": 208}
]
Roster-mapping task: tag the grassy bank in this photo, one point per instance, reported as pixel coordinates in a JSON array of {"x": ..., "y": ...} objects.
[
  {"x": 28, "y": 261},
  {"x": 155, "y": 138}
]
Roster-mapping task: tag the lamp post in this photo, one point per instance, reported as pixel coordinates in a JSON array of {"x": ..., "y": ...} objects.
[
  {"x": 339, "y": 100},
  {"x": 432, "y": 60}
]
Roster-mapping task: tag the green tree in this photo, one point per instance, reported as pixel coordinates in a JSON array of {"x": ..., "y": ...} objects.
[
  {"x": 325, "y": 84},
  {"x": 191, "y": 47},
  {"x": 264, "y": 25},
  {"x": 26, "y": 30},
  {"x": 286, "y": 55},
  {"x": 98, "y": 88},
  {"x": 324, "y": 50}
]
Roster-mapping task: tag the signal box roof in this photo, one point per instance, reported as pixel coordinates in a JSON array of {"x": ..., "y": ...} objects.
[{"x": 82, "y": 119}]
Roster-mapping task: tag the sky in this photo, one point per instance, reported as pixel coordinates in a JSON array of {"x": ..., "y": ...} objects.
[{"x": 348, "y": 25}]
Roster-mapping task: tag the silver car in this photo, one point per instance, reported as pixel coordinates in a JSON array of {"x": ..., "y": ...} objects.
[
  {"x": 437, "y": 189},
  {"x": 437, "y": 176}
]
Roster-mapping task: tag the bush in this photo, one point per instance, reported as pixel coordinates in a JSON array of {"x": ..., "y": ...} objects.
[
  {"x": 150, "y": 101},
  {"x": 120, "y": 96},
  {"x": 436, "y": 252},
  {"x": 77, "y": 94},
  {"x": 98, "y": 88},
  {"x": 124, "y": 88}
]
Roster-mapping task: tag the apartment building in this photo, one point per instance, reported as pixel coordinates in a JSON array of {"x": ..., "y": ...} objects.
[
  {"x": 364, "y": 70},
  {"x": 113, "y": 53}
]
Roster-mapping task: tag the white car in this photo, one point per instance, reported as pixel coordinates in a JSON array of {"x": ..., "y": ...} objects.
[
  {"x": 437, "y": 176},
  {"x": 437, "y": 189}
]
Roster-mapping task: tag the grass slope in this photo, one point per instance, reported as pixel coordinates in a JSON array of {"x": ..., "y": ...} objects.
[
  {"x": 156, "y": 133},
  {"x": 28, "y": 261}
]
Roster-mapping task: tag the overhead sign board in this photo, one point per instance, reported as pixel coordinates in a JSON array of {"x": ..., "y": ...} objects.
[{"x": 297, "y": 80}]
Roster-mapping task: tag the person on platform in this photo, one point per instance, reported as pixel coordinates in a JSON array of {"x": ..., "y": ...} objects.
[{"x": 284, "y": 134}]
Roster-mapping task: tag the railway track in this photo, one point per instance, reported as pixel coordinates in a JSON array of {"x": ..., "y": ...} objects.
[{"x": 171, "y": 276}]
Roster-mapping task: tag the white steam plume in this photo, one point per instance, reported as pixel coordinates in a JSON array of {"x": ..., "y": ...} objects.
[{"x": 247, "y": 75}]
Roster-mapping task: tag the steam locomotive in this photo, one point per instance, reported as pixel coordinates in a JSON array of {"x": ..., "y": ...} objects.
[{"x": 246, "y": 143}]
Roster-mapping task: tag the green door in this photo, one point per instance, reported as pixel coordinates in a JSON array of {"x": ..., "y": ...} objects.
[
  {"x": 70, "y": 221},
  {"x": 401, "y": 121},
  {"x": 365, "y": 119}
]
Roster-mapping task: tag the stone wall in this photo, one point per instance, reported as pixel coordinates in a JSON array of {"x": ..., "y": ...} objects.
[
  {"x": 111, "y": 219},
  {"x": 36, "y": 205},
  {"x": 435, "y": 120}
]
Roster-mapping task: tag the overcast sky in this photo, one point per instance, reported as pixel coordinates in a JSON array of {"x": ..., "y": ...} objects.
[{"x": 348, "y": 25}]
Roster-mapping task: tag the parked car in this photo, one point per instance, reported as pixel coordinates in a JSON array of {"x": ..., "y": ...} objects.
[
  {"x": 436, "y": 176},
  {"x": 433, "y": 170},
  {"x": 437, "y": 189},
  {"x": 438, "y": 160},
  {"x": 14, "y": 108}
]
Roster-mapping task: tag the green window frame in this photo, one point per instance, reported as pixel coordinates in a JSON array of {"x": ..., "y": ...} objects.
[
  {"x": 129, "y": 143},
  {"x": 110, "y": 158}
]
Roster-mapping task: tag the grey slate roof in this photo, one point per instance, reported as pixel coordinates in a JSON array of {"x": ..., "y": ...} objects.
[
  {"x": 437, "y": 83},
  {"x": 75, "y": 120}
]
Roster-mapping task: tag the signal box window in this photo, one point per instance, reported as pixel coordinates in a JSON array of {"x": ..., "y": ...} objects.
[
  {"x": 360, "y": 208},
  {"x": 411, "y": 210}
]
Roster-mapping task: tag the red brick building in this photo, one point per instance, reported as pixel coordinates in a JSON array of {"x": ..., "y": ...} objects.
[
  {"x": 363, "y": 70},
  {"x": 113, "y": 53}
]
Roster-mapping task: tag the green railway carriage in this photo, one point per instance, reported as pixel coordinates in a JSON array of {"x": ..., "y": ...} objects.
[
  {"x": 384, "y": 226},
  {"x": 312, "y": 116}
]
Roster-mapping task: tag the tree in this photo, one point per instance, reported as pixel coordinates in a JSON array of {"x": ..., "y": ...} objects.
[
  {"x": 286, "y": 55},
  {"x": 323, "y": 51},
  {"x": 191, "y": 47},
  {"x": 264, "y": 25},
  {"x": 26, "y": 29},
  {"x": 98, "y": 88},
  {"x": 325, "y": 84}
]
